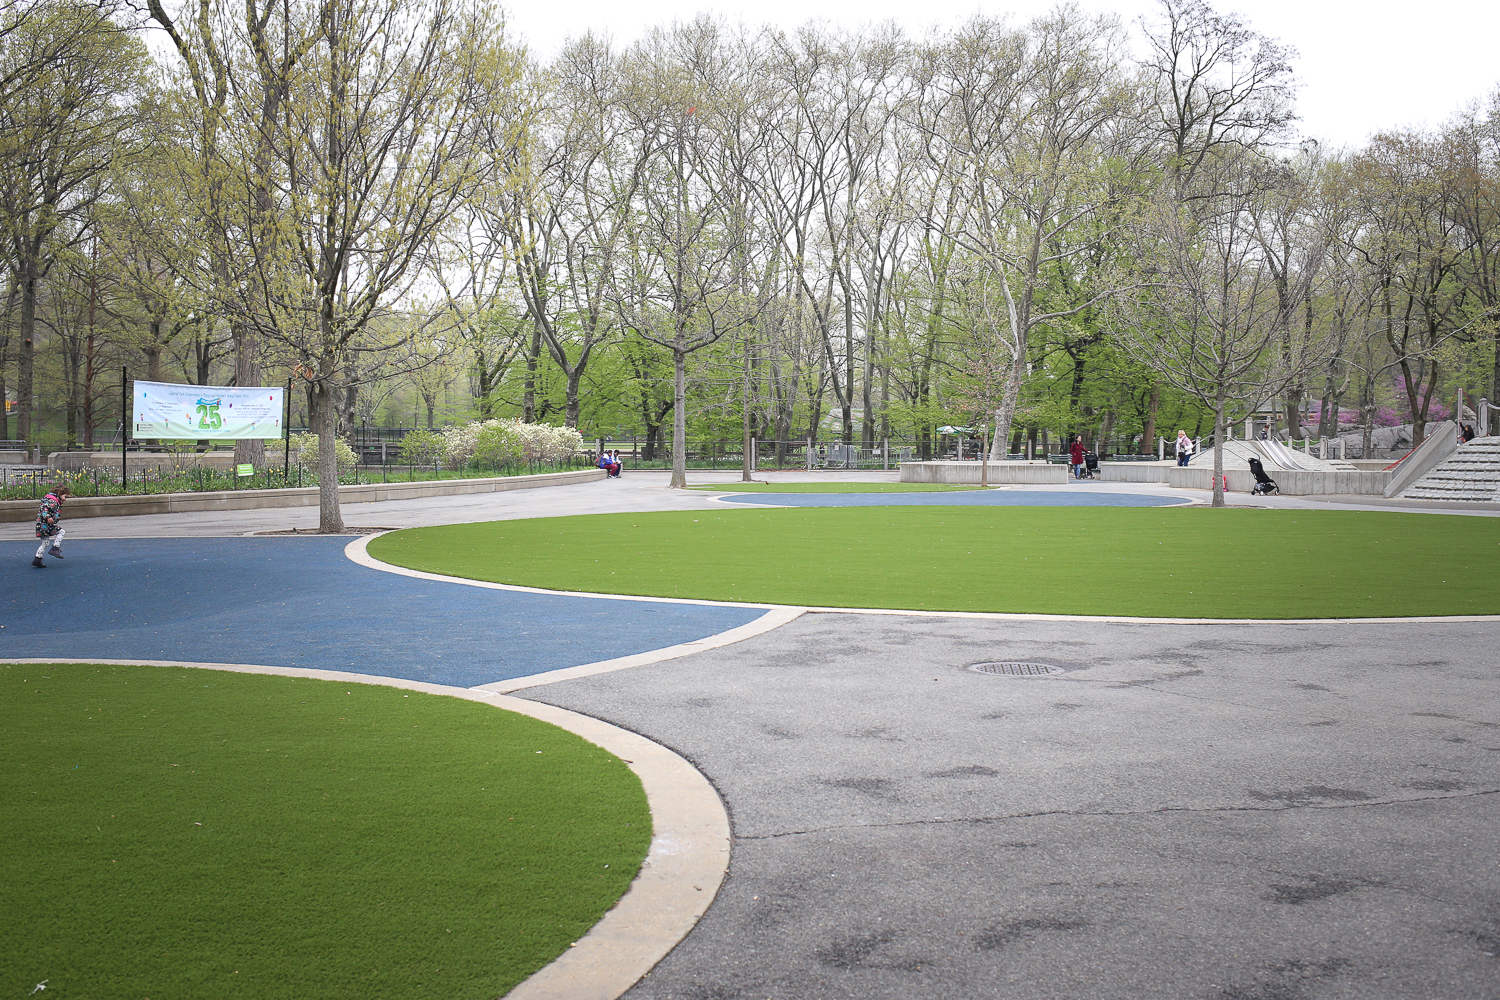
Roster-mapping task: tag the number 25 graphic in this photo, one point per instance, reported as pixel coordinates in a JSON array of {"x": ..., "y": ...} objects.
[{"x": 208, "y": 417}]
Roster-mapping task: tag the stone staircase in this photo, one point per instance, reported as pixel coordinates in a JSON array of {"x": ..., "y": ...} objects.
[{"x": 1472, "y": 473}]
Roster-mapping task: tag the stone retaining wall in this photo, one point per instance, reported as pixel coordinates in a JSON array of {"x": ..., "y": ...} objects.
[
  {"x": 1135, "y": 472},
  {"x": 174, "y": 503},
  {"x": 1292, "y": 484},
  {"x": 967, "y": 473}
]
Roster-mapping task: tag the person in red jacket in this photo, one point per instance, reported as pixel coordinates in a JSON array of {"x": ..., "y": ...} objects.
[{"x": 1076, "y": 453}]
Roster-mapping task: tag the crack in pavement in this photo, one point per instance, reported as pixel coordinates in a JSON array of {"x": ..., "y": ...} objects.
[{"x": 1044, "y": 814}]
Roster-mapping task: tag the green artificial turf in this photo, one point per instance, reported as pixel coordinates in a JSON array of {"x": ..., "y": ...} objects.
[
  {"x": 173, "y": 832},
  {"x": 1192, "y": 562},
  {"x": 834, "y": 488}
]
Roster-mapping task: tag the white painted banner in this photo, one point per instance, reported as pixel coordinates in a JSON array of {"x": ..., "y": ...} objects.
[{"x": 168, "y": 410}]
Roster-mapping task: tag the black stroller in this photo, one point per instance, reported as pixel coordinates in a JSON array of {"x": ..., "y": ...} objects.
[
  {"x": 1264, "y": 485},
  {"x": 1090, "y": 465}
]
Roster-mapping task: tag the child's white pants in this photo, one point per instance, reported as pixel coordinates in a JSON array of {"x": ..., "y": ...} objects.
[{"x": 47, "y": 543}]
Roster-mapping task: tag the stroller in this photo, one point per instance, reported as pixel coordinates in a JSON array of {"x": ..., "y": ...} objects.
[
  {"x": 1090, "y": 465},
  {"x": 1264, "y": 485}
]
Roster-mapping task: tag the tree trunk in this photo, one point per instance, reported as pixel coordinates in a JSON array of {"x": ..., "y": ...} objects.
[
  {"x": 570, "y": 414},
  {"x": 1293, "y": 402},
  {"x": 482, "y": 370},
  {"x": 528, "y": 396},
  {"x": 11, "y": 290},
  {"x": 1218, "y": 500},
  {"x": 747, "y": 473},
  {"x": 679, "y": 418},
  {"x": 26, "y": 360},
  {"x": 1148, "y": 435},
  {"x": 325, "y": 420},
  {"x": 1008, "y": 399}
]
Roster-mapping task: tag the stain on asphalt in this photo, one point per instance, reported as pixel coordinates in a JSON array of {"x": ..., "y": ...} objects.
[
  {"x": 876, "y": 787},
  {"x": 1311, "y": 794},
  {"x": 882, "y": 733},
  {"x": 1004, "y": 935},
  {"x": 1289, "y": 980},
  {"x": 1487, "y": 941},
  {"x": 1159, "y": 679},
  {"x": 854, "y": 952},
  {"x": 1313, "y": 889},
  {"x": 967, "y": 771}
]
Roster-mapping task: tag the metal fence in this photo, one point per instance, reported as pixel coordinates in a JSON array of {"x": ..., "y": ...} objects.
[{"x": 806, "y": 453}]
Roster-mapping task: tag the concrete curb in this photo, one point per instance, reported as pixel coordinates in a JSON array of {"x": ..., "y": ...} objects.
[
  {"x": 679, "y": 879},
  {"x": 174, "y": 503},
  {"x": 772, "y": 619}
]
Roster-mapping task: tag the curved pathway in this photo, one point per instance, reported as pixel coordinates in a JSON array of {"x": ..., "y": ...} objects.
[{"x": 299, "y": 602}]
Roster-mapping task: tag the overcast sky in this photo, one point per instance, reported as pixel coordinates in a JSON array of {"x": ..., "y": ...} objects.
[{"x": 1364, "y": 66}]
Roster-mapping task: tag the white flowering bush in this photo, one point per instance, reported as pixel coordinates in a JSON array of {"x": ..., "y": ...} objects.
[
  {"x": 459, "y": 442},
  {"x": 546, "y": 443},
  {"x": 498, "y": 443},
  {"x": 304, "y": 448}
]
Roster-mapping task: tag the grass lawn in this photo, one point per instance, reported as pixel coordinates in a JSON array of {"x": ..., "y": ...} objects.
[
  {"x": 1192, "y": 562},
  {"x": 175, "y": 832},
  {"x": 833, "y": 488}
]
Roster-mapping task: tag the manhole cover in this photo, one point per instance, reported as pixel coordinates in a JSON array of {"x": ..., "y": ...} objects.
[{"x": 1015, "y": 668}]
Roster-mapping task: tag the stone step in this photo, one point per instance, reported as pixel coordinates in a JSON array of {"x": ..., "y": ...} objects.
[{"x": 1471, "y": 474}]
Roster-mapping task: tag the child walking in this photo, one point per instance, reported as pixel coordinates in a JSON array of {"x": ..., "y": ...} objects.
[{"x": 47, "y": 528}]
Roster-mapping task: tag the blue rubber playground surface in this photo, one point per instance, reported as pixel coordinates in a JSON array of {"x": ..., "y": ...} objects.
[
  {"x": 974, "y": 498},
  {"x": 299, "y": 602}
]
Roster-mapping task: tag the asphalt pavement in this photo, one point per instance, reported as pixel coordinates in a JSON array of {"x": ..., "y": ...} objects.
[
  {"x": 1248, "y": 812},
  {"x": 1256, "y": 812}
]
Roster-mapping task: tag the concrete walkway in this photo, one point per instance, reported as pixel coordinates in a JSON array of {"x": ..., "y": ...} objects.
[{"x": 1258, "y": 812}]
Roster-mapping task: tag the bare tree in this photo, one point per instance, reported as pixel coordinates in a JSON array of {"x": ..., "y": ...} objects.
[
  {"x": 679, "y": 287},
  {"x": 383, "y": 136},
  {"x": 1203, "y": 308},
  {"x": 1218, "y": 86},
  {"x": 60, "y": 133}
]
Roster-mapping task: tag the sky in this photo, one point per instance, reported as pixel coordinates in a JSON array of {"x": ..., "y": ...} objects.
[{"x": 1364, "y": 67}]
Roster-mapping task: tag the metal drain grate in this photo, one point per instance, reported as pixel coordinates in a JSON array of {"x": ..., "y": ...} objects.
[{"x": 1013, "y": 668}]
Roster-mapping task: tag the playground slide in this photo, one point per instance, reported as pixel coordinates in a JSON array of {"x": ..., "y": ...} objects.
[{"x": 1283, "y": 457}]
